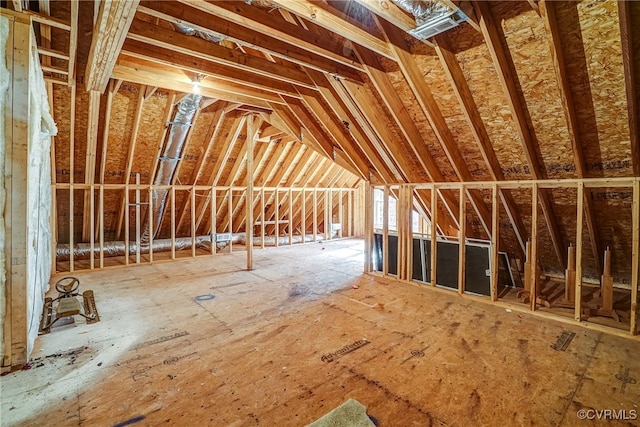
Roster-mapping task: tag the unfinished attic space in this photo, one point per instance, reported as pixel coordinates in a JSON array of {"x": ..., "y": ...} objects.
[{"x": 319, "y": 212}]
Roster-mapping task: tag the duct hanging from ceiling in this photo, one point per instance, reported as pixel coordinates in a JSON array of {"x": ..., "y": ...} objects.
[
  {"x": 432, "y": 17},
  {"x": 423, "y": 10},
  {"x": 168, "y": 161},
  {"x": 190, "y": 31}
]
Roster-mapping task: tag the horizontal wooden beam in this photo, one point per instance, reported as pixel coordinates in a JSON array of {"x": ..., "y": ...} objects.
[
  {"x": 147, "y": 72},
  {"x": 321, "y": 14},
  {"x": 109, "y": 31},
  {"x": 390, "y": 12},
  {"x": 174, "y": 41},
  {"x": 197, "y": 65},
  {"x": 244, "y": 35}
]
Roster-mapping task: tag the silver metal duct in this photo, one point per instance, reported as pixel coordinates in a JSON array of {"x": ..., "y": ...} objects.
[
  {"x": 189, "y": 31},
  {"x": 184, "y": 29},
  {"x": 111, "y": 249},
  {"x": 168, "y": 161},
  {"x": 423, "y": 10}
]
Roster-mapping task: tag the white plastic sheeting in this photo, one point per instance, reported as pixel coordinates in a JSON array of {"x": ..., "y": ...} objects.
[
  {"x": 39, "y": 256},
  {"x": 41, "y": 128}
]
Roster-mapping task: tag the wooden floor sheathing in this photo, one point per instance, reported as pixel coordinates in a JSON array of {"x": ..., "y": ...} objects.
[{"x": 202, "y": 342}]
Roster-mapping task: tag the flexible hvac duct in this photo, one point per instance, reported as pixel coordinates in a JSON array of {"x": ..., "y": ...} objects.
[
  {"x": 189, "y": 31},
  {"x": 111, "y": 249},
  {"x": 423, "y": 10},
  {"x": 83, "y": 250},
  {"x": 168, "y": 162}
]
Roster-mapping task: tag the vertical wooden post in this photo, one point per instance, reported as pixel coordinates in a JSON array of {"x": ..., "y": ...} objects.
[
  {"x": 290, "y": 214},
  {"x": 635, "y": 256},
  {"x": 328, "y": 214},
  {"x": 303, "y": 215},
  {"x": 579, "y": 220},
  {"x": 407, "y": 218},
  {"x": 315, "y": 215},
  {"x": 150, "y": 216},
  {"x": 368, "y": 226},
  {"x": 277, "y": 218},
  {"x": 606, "y": 286},
  {"x": 527, "y": 267},
  {"x": 462, "y": 244},
  {"x": 101, "y": 225},
  {"x": 173, "y": 222},
  {"x": 137, "y": 218},
  {"x": 92, "y": 231},
  {"x": 262, "y": 219},
  {"x": 434, "y": 232},
  {"x": 570, "y": 275},
  {"x": 126, "y": 224},
  {"x": 340, "y": 212},
  {"x": 72, "y": 131},
  {"x": 230, "y": 206},
  {"x": 385, "y": 232},
  {"x": 249, "y": 199},
  {"x": 214, "y": 219},
  {"x": 16, "y": 118},
  {"x": 402, "y": 235},
  {"x": 495, "y": 239},
  {"x": 350, "y": 216},
  {"x": 533, "y": 264},
  {"x": 193, "y": 221}
]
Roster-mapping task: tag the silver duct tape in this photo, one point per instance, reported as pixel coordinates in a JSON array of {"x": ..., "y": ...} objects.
[{"x": 168, "y": 161}]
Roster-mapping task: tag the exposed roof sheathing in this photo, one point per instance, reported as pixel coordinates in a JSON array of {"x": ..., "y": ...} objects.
[{"x": 523, "y": 90}]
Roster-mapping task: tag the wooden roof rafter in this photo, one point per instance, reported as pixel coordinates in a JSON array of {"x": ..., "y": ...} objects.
[
  {"x": 109, "y": 31},
  {"x": 73, "y": 43},
  {"x": 547, "y": 11},
  {"x": 90, "y": 159},
  {"x": 338, "y": 133},
  {"x": 312, "y": 124},
  {"x": 470, "y": 110},
  {"x": 219, "y": 166},
  {"x": 324, "y": 16},
  {"x": 630, "y": 76},
  {"x": 295, "y": 127},
  {"x": 130, "y": 155},
  {"x": 272, "y": 25},
  {"x": 166, "y": 117},
  {"x": 385, "y": 170},
  {"x": 212, "y": 133},
  {"x": 398, "y": 111},
  {"x": 174, "y": 41},
  {"x": 200, "y": 65},
  {"x": 244, "y": 34},
  {"x": 145, "y": 72},
  {"x": 361, "y": 102},
  {"x": 507, "y": 80}
]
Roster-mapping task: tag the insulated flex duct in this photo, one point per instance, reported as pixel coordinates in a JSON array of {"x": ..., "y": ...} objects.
[
  {"x": 190, "y": 31},
  {"x": 111, "y": 249},
  {"x": 423, "y": 10},
  {"x": 432, "y": 17},
  {"x": 169, "y": 159}
]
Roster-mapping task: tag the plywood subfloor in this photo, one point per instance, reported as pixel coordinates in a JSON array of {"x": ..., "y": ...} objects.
[{"x": 168, "y": 353}]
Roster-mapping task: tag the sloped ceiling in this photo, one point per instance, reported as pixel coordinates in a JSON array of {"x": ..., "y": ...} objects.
[{"x": 523, "y": 90}]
